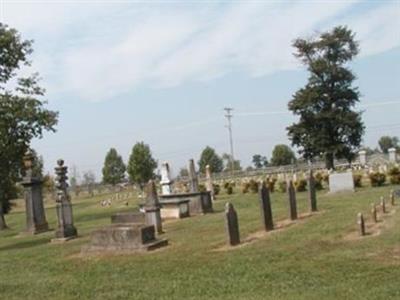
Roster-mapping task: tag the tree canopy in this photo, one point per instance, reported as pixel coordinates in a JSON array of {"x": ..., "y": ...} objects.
[
  {"x": 328, "y": 126},
  {"x": 141, "y": 164},
  {"x": 259, "y": 161},
  {"x": 387, "y": 142},
  {"x": 210, "y": 157},
  {"x": 23, "y": 115},
  {"x": 114, "y": 168},
  {"x": 282, "y": 155}
]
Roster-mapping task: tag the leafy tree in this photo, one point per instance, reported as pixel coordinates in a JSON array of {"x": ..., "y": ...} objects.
[
  {"x": 141, "y": 164},
  {"x": 259, "y": 161},
  {"x": 114, "y": 168},
  {"x": 387, "y": 142},
  {"x": 328, "y": 125},
  {"x": 89, "y": 180},
  {"x": 22, "y": 113},
  {"x": 282, "y": 155},
  {"x": 211, "y": 158},
  {"x": 183, "y": 172},
  {"x": 226, "y": 158}
]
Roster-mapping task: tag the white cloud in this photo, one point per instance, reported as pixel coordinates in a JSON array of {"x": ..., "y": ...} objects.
[{"x": 97, "y": 51}]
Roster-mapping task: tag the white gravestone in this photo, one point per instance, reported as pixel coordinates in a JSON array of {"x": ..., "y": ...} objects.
[
  {"x": 392, "y": 155},
  {"x": 166, "y": 181},
  {"x": 341, "y": 182}
]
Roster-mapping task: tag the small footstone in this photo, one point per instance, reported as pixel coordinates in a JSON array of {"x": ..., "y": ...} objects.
[
  {"x": 361, "y": 223},
  {"x": 383, "y": 205},
  {"x": 232, "y": 225},
  {"x": 392, "y": 197},
  {"x": 374, "y": 213}
]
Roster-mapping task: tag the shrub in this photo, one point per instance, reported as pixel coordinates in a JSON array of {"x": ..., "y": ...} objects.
[
  {"x": 202, "y": 188},
  {"x": 229, "y": 190},
  {"x": 300, "y": 185},
  {"x": 394, "y": 174},
  {"x": 226, "y": 184},
  {"x": 245, "y": 187},
  {"x": 377, "y": 178},
  {"x": 217, "y": 189},
  {"x": 271, "y": 184},
  {"x": 282, "y": 186},
  {"x": 357, "y": 178},
  {"x": 253, "y": 185},
  {"x": 318, "y": 181}
]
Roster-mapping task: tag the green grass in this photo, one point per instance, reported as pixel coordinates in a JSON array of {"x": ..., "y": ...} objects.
[{"x": 313, "y": 259}]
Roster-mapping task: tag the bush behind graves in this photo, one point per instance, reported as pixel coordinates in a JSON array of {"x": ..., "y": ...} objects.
[
  {"x": 217, "y": 189},
  {"x": 271, "y": 183},
  {"x": 300, "y": 185},
  {"x": 357, "y": 178},
  {"x": 253, "y": 186},
  {"x": 394, "y": 174},
  {"x": 377, "y": 178},
  {"x": 282, "y": 186}
]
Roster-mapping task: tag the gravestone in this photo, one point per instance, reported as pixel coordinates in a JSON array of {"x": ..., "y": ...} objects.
[
  {"x": 166, "y": 182},
  {"x": 362, "y": 157},
  {"x": 361, "y": 224},
  {"x": 232, "y": 225},
  {"x": 391, "y": 196},
  {"x": 152, "y": 207},
  {"x": 383, "y": 205},
  {"x": 34, "y": 209},
  {"x": 209, "y": 183},
  {"x": 292, "y": 200},
  {"x": 374, "y": 213},
  {"x": 341, "y": 182},
  {"x": 392, "y": 155},
  {"x": 66, "y": 229},
  {"x": 194, "y": 182},
  {"x": 266, "y": 211},
  {"x": 312, "y": 197}
]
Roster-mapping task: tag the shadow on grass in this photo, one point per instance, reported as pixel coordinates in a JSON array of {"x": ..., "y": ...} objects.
[{"x": 26, "y": 244}]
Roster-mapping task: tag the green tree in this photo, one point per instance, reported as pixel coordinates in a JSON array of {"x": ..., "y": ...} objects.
[
  {"x": 282, "y": 155},
  {"x": 259, "y": 161},
  {"x": 226, "y": 158},
  {"x": 22, "y": 112},
  {"x": 141, "y": 164},
  {"x": 328, "y": 126},
  {"x": 387, "y": 142},
  {"x": 114, "y": 168},
  {"x": 211, "y": 158}
]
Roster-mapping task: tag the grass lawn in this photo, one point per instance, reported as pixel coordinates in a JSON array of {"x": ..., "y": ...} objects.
[{"x": 320, "y": 257}]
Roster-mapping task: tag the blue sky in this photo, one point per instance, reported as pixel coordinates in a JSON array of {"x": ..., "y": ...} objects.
[{"x": 161, "y": 72}]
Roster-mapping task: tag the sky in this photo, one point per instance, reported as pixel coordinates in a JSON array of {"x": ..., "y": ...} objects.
[{"x": 161, "y": 72}]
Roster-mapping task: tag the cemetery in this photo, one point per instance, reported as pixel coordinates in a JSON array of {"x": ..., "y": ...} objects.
[{"x": 158, "y": 213}]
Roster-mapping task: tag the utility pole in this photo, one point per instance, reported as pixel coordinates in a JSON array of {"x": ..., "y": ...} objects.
[{"x": 228, "y": 115}]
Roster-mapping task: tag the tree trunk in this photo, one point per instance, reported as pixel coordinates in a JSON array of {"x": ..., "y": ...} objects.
[
  {"x": 3, "y": 224},
  {"x": 329, "y": 161}
]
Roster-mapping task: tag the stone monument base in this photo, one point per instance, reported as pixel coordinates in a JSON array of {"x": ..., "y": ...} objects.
[
  {"x": 175, "y": 209},
  {"x": 125, "y": 238},
  {"x": 36, "y": 229},
  {"x": 199, "y": 203}
]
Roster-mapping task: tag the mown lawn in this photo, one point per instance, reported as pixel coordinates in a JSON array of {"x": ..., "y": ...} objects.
[{"x": 320, "y": 257}]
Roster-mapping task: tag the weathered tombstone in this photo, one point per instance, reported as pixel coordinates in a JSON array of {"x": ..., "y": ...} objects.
[
  {"x": 66, "y": 229},
  {"x": 361, "y": 224},
  {"x": 34, "y": 208},
  {"x": 392, "y": 155},
  {"x": 391, "y": 195},
  {"x": 209, "y": 183},
  {"x": 232, "y": 225},
  {"x": 341, "y": 182},
  {"x": 312, "y": 197},
  {"x": 166, "y": 182},
  {"x": 374, "y": 213},
  {"x": 266, "y": 211},
  {"x": 362, "y": 157},
  {"x": 383, "y": 205},
  {"x": 152, "y": 207},
  {"x": 292, "y": 200},
  {"x": 194, "y": 182}
]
